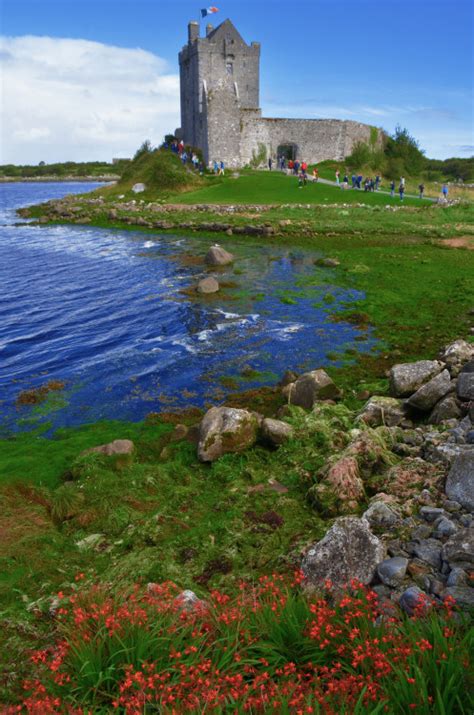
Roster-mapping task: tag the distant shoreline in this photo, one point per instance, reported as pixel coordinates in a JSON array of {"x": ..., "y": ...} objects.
[{"x": 58, "y": 179}]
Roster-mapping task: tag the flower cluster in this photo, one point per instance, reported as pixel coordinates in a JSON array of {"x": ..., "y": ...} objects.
[{"x": 268, "y": 649}]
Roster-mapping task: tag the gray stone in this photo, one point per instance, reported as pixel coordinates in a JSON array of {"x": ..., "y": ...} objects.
[
  {"x": 459, "y": 549},
  {"x": 90, "y": 542},
  {"x": 380, "y": 410},
  {"x": 392, "y": 571},
  {"x": 381, "y": 515},
  {"x": 226, "y": 429},
  {"x": 429, "y": 551},
  {"x": 463, "y": 595},
  {"x": 328, "y": 262},
  {"x": 406, "y": 378},
  {"x": 470, "y": 437},
  {"x": 208, "y": 285},
  {"x": 426, "y": 397},
  {"x": 188, "y": 601},
  {"x": 431, "y": 513},
  {"x": 446, "y": 409},
  {"x": 138, "y": 188},
  {"x": 451, "y": 506},
  {"x": 117, "y": 447},
  {"x": 460, "y": 481},
  {"x": 349, "y": 550},
  {"x": 458, "y": 352},
  {"x": 411, "y": 599},
  {"x": 465, "y": 386},
  {"x": 444, "y": 527},
  {"x": 457, "y": 577},
  {"x": 218, "y": 256},
  {"x": 276, "y": 432},
  {"x": 311, "y": 387}
]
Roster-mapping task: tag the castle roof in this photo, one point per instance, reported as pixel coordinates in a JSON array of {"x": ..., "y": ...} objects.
[{"x": 226, "y": 31}]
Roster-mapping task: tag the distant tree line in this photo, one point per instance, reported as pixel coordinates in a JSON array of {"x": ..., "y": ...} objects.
[
  {"x": 399, "y": 154},
  {"x": 66, "y": 168}
]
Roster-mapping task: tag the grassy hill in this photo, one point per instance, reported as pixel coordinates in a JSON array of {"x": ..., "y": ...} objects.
[{"x": 161, "y": 171}]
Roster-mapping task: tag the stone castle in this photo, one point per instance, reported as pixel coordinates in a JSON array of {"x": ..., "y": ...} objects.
[{"x": 220, "y": 113}]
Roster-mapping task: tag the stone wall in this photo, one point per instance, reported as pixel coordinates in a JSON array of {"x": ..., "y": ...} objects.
[{"x": 315, "y": 139}]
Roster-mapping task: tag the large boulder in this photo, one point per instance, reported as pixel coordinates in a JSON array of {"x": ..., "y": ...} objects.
[
  {"x": 392, "y": 571},
  {"x": 380, "y": 410},
  {"x": 208, "y": 285},
  {"x": 311, "y": 387},
  {"x": 276, "y": 432},
  {"x": 348, "y": 551},
  {"x": 460, "y": 481},
  {"x": 226, "y": 429},
  {"x": 407, "y": 378},
  {"x": 218, "y": 256},
  {"x": 465, "y": 383},
  {"x": 117, "y": 447},
  {"x": 426, "y": 397},
  {"x": 446, "y": 409},
  {"x": 456, "y": 354},
  {"x": 458, "y": 551}
]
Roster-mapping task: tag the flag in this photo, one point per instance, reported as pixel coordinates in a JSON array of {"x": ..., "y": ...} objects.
[{"x": 208, "y": 11}]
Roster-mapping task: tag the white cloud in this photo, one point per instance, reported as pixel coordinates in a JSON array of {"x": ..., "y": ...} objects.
[{"x": 65, "y": 99}]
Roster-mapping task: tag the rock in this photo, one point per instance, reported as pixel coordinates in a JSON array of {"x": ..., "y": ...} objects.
[
  {"x": 406, "y": 378},
  {"x": 459, "y": 549},
  {"x": 180, "y": 432},
  {"x": 426, "y": 397},
  {"x": 429, "y": 551},
  {"x": 188, "y": 601},
  {"x": 328, "y": 262},
  {"x": 431, "y": 513},
  {"x": 463, "y": 595},
  {"x": 460, "y": 481},
  {"x": 276, "y": 432},
  {"x": 90, "y": 542},
  {"x": 465, "y": 385},
  {"x": 470, "y": 437},
  {"x": 311, "y": 387},
  {"x": 392, "y": 571},
  {"x": 381, "y": 410},
  {"x": 457, "y": 353},
  {"x": 138, "y": 188},
  {"x": 379, "y": 514},
  {"x": 451, "y": 506},
  {"x": 444, "y": 527},
  {"x": 457, "y": 577},
  {"x": 218, "y": 256},
  {"x": 411, "y": 599},
  {"x": 118, "y": 446},
  {"x": 349, "y": 550},
  {"x": 447, "y": 408},
  {"x": 226, "y": 429},
  {"x": 208, "y": 285},
  {"x": 344, "y": 478},
  {"x": 288, "y": 378}
]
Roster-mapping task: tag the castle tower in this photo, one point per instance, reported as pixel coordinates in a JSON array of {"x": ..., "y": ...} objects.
[{"x": 219, "y": 77}]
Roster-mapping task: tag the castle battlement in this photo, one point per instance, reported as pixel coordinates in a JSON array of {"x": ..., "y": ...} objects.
[{"x": 220, "y": 106}]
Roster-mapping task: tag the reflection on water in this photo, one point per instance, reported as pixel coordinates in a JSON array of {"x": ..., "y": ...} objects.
[{"x": 112, "y": 314}]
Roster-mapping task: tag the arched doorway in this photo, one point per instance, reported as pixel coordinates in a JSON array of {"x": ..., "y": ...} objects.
[{"x": 288, "y": 151}]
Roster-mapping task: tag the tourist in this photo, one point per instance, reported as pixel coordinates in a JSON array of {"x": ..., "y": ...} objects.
[
  {"x": 216, "y": 167},
  {"x": 184, "y": 157},
  {"x": 300, "y": 181},
  {"x": 353, "y": 180},
  {"x": 296, "y": 167},
  {"x": 345, "y": 182},
  {"x": 201, "y": 168},
  {"x": 421, "y": 189},
  {"x": 282, "y": 163},
  {"x": 315, "y": 175},
  {"x": 270, "y": 163},
  {"x": 221, "y": 169},
  {"x": 445, "y": 191},
  {"x": 181, "y": 147},
  {"x": 401, "y": 190},
  {"x": 359, "y": 181},
  {"x": 402, "y": 181},
  {"x": 377, "y": 182},
  {"x": 366, "y": 184},
  {"x": 338, "y": 174},
  {"x": 392, "y": 188}
]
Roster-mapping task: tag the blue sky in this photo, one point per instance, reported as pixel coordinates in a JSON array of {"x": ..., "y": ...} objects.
[{"x": 89, "y": 79}]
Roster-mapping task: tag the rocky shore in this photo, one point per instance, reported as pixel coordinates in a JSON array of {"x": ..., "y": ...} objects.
[{"x": 400, "y": 484}]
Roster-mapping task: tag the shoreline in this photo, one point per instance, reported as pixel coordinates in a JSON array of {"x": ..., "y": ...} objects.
[{"x": 59, "y": 179}]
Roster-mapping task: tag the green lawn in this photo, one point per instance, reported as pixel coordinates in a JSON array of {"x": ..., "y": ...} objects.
[{"x": 265, "y": 187}]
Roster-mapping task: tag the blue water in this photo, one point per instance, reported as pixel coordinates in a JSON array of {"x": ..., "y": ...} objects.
[{"x": 103, "y": 310}]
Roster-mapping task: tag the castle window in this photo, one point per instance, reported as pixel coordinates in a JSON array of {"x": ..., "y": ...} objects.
[{"x": 229, "y": 68}]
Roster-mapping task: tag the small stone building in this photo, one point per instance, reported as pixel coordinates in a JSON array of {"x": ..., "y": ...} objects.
[{"x": 220, "y": 113}]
